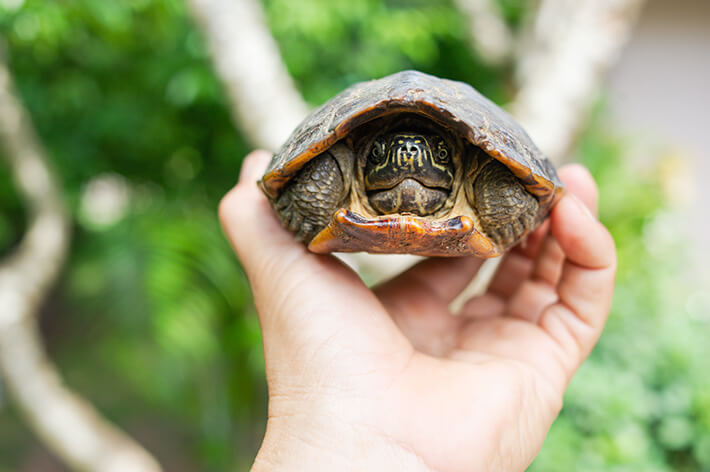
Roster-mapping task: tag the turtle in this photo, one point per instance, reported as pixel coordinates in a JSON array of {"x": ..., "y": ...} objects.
[{"x": 411, "y": 163}]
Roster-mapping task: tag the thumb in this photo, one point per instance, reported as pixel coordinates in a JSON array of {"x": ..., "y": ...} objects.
[
  {"x": 249, "y": 222},
  {"x": 294, "y": 290}
]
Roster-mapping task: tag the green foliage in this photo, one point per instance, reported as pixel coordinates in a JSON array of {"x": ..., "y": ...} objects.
[
  {"x": 153, "y": 318},
  {"x": 330, "y": 45},
  {"x": 12, "y": 217}
]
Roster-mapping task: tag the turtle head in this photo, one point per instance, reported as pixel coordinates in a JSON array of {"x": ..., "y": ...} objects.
[{"x": 408, "y": 173}]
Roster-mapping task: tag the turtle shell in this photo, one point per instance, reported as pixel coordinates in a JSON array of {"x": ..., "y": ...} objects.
[{"x": 454, "y": 105}]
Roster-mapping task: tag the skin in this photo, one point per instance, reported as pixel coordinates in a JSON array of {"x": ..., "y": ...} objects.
[{"x": 388, "y": 379}]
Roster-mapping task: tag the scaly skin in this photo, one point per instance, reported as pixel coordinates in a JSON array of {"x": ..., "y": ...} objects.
[
  {"x": 308, "y": 203},
  {"x": 505, "y": 209}
]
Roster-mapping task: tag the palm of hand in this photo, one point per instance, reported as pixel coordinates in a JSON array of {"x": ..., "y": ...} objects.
[{"x": 477, "y": 391}]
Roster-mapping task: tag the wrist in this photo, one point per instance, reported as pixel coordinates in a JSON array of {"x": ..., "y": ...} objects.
[
  {"x": 289, "y": 447},
  {"x": 315, "y": 442}
]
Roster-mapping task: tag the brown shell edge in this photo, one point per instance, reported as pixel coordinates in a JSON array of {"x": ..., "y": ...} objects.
[{"x": 351, "y": 232}]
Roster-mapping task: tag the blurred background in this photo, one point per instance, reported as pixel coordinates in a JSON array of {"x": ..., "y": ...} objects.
[{"x": 150, "y": 318}]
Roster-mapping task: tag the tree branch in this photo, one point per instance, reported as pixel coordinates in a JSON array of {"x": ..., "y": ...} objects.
[
  {"x": 68, "y": 424},
  {"x": 488, "y": 33},
  {"x": 564, "y": 57},
  {"x": 262, "y": 97}
]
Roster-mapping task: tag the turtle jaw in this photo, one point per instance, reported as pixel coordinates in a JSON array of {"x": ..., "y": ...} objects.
[
  {"x": 402, "y": 234},
  {"x": 408, "y": 196}
]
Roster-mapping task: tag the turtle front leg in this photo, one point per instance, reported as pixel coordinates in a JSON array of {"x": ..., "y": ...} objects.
[
  {"x": 307, "y": 204},
  {"x": 505, "y": 210}
]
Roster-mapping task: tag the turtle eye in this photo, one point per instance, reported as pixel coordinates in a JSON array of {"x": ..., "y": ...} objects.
[
  {"x": 443, "y": 153},
  {"x": 377, "y": 152}
]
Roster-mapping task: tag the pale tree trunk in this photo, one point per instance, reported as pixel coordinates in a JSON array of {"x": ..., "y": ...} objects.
[
  {"x": 68, "y": 424},
  {"x": 262, "y": 97},
  {"x": 563, "y": 60},
  {"x": 487, "y": 31}
]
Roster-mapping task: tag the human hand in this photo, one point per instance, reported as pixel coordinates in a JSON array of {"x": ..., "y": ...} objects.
[{"x": 390, "y": 379}]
